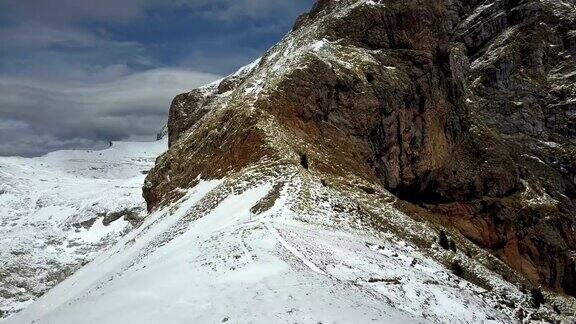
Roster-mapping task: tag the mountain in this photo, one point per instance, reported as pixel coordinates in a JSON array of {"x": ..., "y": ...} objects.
[
  {"x": 59, "y": 211},
  {"x": 387, "y": 161}
]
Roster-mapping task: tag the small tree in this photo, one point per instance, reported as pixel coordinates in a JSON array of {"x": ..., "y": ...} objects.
[
  {"x": 537, "y": 297},
  {"x": 457, "y": 269},
  {"x": 443, "y": 240},
  {"x": 453, "y": 246},
  {"x": 304, "y": 161}
]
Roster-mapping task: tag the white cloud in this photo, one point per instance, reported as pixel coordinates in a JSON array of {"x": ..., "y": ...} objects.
[{"x": 132, "y": 106}]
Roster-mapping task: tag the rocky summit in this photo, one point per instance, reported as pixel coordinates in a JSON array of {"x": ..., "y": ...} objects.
[{"x": 389, "y": 161}]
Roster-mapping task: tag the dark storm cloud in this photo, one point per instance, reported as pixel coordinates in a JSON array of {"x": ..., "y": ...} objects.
[{"x": 75, "y": 74}]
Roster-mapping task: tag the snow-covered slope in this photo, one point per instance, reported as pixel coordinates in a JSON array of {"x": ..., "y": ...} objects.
[
  {"x": 253, "y": 249},
  {"x": 53, "y": 209},
  {"x": 293, "y": 226}
]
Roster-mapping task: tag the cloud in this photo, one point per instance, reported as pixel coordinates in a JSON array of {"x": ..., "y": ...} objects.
[
  {"x": 59, "y": 12},
  {"x": 38, "y": 118},
  {"x": 231, "y": 10},
  {"x": 77, "y": 73}
]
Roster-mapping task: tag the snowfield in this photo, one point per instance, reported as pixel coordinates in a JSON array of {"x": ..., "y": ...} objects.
[
  {"x": 218, "y": 256},
  {"x": 53, "y": 209}
]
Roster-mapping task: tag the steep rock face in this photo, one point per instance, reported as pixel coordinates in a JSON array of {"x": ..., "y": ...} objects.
[
  {"x": 521, "y": 62},
  {"x": 201, "y": 148},
  {"x": 462, "y": 107}
]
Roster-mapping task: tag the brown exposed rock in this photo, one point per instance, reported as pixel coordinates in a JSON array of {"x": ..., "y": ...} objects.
[
  {"x": 185, "y": 111},
  {"x": 211, "y": 154},
  {"x": 465, "y": 108}
]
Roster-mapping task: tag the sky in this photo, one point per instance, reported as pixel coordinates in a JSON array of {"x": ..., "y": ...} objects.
[{"x": 75, "y": 74}]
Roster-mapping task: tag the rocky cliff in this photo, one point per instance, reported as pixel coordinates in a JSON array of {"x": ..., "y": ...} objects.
[{"x": 465, "y": 111}]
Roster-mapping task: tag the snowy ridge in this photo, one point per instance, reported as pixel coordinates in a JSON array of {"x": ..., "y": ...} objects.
[
  {"x": 219, "y": 255},
  {"x": 59, "y": 211}
]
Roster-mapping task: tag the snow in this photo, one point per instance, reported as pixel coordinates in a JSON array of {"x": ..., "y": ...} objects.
[
  {"x": 207, "y": 258},
  {"x": 552, "y": 144},
  {"x": 98, "y": 231},
  {"x": 318, "y": 45},
  {"x": 195, "y": 278},
  {"x": 248, "y": 68},
  {"x": 374, "y": 3},
  {"x": 51, "y": 212},
  {"x": 292, "y": 249}
]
